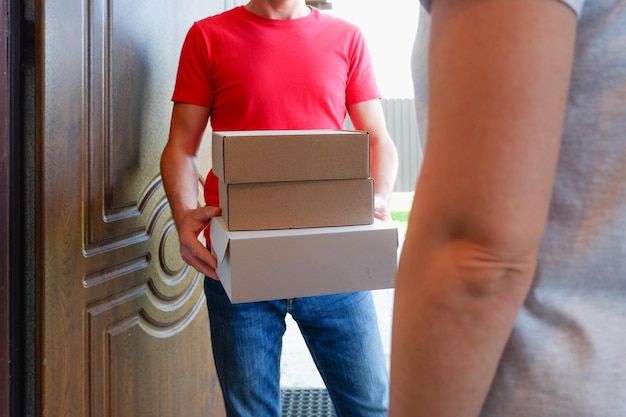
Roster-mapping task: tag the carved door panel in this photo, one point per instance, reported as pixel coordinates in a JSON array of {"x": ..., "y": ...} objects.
[{"x": 122, "y": 325}]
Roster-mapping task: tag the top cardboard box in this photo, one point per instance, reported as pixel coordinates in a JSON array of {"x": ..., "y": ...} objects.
[{"x": 290, "y": 155}]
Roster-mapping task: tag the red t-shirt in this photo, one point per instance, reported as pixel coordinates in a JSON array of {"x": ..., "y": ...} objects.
[{"x": 260, "y": 74}]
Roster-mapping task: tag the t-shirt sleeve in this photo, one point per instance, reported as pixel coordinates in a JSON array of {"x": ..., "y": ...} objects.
[
  {"x": 575, "y": 5},
  {"x": 361, "y": 85},
  {"x": 193, "y": 79}
]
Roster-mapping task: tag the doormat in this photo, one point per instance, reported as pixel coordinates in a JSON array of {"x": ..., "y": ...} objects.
[{"x": 306, "y": 403}]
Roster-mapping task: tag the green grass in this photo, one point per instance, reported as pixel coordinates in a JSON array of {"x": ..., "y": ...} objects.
[
  {"x": 400, "y": 207},
  {"x": 401, "y": 216}
]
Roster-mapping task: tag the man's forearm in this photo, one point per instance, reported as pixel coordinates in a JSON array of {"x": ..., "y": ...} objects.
[
  {"x": 384, "y": 168},
  {"x": 180, "y": 181}
]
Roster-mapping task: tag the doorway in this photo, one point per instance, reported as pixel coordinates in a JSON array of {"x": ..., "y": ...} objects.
[{"x": 389, "y": 28}]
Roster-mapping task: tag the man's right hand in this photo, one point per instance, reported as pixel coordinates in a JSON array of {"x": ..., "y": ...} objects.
[{"x": 193, "y": 252}]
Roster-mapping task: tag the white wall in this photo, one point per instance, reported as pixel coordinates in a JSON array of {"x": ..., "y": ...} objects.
[{"x": 389, "y": 27}]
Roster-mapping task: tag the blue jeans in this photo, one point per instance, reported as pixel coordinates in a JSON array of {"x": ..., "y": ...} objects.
[{"x": 341, "y": 332}]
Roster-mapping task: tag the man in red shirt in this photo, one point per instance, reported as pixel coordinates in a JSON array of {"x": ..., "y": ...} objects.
[{"x": 278, "y": 65}]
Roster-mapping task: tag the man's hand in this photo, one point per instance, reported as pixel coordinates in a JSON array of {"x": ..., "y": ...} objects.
[
  {"x": 381, "y": 209},
  {"x": 191, "y": 249}
]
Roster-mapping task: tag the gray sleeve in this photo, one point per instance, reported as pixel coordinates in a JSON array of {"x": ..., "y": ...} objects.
[{"x": 575, "y": 5}]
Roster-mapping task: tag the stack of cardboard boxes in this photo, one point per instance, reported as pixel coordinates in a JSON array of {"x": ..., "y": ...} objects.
[{"x": 297, "y": 215}]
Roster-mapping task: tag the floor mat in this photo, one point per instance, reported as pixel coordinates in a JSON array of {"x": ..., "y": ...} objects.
[{"x": 306, "y": 403}]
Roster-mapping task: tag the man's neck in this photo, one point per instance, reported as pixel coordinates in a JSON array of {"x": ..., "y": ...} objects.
[{"x": 279, "y": 9}]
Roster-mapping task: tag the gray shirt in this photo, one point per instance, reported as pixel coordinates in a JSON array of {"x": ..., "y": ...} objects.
[{"x": 565, "y": 357}]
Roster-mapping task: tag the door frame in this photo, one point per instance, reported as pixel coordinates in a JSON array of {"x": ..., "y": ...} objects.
[
  {"x": 5, "y": 158},
  {"x": 13, "y": 349},
  {"x": 4, "y": 209}
]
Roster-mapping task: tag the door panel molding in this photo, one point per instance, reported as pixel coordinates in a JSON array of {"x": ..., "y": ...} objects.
[{"x": 123, "y": 322}]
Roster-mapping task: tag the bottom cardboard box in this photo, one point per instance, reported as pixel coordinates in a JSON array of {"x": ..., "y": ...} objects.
[{"x": 288, "y": 263}]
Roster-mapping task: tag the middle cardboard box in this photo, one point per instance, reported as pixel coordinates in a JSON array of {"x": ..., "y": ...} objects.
[{"x": 284, "y": 179}]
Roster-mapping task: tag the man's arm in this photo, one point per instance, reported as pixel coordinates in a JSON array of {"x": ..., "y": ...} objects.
[
  {"x": 498, "y": 80},
  {"x": 179, "y": 171},
  {"x": 368, "y": 116}
]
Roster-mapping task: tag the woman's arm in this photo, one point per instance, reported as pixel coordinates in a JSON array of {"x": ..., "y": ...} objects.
[{"x": 498, "y": 81}]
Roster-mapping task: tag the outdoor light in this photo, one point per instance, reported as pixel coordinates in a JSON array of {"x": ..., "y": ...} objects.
[{"x": 320, "y": 4}]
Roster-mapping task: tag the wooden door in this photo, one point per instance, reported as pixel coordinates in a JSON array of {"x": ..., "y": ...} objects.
[{"x": 122, "y": 326}]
